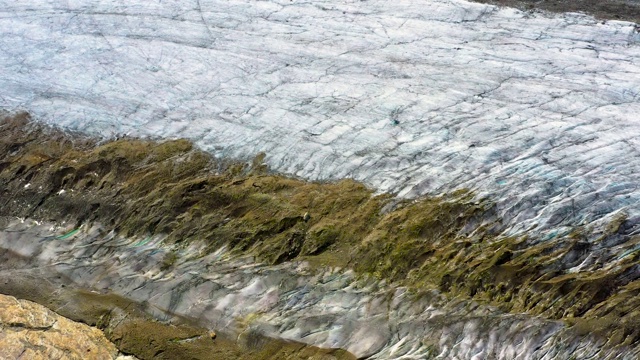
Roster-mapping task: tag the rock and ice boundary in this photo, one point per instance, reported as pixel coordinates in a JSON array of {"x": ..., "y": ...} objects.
[
  {"x": 412, "y": 97},
  {"x": 232, "y": 246}
]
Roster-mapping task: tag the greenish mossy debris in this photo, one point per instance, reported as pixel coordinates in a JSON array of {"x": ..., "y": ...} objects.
[
  {"x": 148, "y": 339},
  {"x": 451, "y": 242}
]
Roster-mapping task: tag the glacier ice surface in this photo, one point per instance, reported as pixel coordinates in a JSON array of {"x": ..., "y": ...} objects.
[
  {"x": 537, "y": 111},
  {"x": 326, "y": 308}
]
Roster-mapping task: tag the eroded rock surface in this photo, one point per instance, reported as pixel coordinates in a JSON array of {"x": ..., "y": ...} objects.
[{"x": 31, "y": 331}]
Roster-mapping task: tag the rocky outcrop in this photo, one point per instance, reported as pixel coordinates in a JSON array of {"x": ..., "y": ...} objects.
[
  {"x": 608, "y": 9},
  {"x": 31, "y": 331}
]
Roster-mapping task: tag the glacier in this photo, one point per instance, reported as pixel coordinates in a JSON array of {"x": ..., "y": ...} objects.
[
  {"x": 537, "y": 112},
  {"x": 329, "y": 308},
  {"x": 534, "y": 110}
]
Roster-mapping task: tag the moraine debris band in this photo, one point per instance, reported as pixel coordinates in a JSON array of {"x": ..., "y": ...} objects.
[{"x": 226, "y": 244}]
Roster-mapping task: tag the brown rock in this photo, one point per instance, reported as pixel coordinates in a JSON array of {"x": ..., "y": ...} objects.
[{"x": 31, "y": 331}]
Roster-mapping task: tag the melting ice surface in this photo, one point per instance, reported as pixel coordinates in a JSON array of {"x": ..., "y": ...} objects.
[
  {"x": 538, "y": 111},
  {"x": 328, "y": 309}
]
